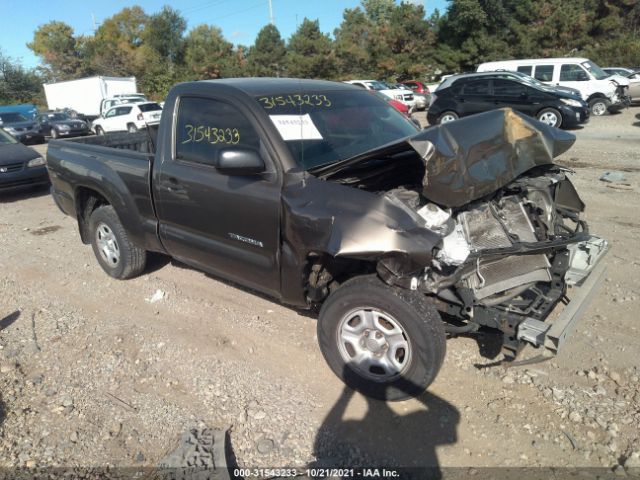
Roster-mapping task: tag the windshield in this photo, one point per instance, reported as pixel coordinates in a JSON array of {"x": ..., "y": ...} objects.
[
  {"x": 149, "y": 107},
  {"x": 12, "y": 117},
  {"x": 376, "y": 85},
  {"x": 595, "y": 70},
  {"x": 324, "y": 128},
  {"x": 6, "y": 139}
]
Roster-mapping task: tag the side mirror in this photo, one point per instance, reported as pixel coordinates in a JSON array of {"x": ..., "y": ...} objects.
[{"x": 240, "y": 161}]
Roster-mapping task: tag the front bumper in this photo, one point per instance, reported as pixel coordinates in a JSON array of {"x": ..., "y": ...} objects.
[
  {"x": 26, "y": 177},
  {"x": 74, "y": 133},
  {"x": 29, "y": 137},
  {"x": 573, "y": 116},
  {"x": 586, "y": 270}
]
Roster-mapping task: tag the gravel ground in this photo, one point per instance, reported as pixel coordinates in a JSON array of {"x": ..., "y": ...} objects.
[{"x": 100, "y": 372}]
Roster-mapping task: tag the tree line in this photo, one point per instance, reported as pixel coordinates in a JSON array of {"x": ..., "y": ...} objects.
[{"x": 379, "y": 39}]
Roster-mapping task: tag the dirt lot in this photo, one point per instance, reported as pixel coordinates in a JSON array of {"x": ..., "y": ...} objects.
[{"x": 92, "y": 373}]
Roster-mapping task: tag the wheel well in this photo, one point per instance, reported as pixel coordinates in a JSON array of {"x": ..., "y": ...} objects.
[
  {"x": 324, "y": 273},
  {"x": 87, "y": 200},
  {"x": 596, "y": 95}
]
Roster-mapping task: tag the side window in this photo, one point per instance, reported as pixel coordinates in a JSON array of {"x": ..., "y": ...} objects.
[
  {"x": 110, "y": 113},
  {"x": 123, "y": 111},
  {"x": 478, "y": 87},
  {"x": 205, "y": 127},
  {"x": 573, "y": 73},
  {"x": 505, "y": 88},
  {"x": 544, "y": 73},
  {"x": 526, "y": 69}
]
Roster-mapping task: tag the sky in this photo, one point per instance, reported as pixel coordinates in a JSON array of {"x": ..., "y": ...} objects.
[{"x": 240, "y": 20}]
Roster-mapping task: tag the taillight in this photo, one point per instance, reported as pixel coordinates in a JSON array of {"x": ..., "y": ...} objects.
[{"x": 140, "y": 117}]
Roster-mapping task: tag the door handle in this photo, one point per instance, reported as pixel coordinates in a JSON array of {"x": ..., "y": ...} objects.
[{"x": 174, "y": 186}]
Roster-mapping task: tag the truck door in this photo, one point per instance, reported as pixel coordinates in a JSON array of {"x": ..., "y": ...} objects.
[{"x": 227, "y": 224}]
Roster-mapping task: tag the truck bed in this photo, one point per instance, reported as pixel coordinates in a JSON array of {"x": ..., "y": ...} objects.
[{"x": 116, "y": 166}]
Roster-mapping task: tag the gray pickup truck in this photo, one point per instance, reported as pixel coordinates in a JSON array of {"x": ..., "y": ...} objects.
[{"x": 322, "y": 196}]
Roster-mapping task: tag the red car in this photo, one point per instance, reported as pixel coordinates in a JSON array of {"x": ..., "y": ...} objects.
[{"x": 417, "y": 87}]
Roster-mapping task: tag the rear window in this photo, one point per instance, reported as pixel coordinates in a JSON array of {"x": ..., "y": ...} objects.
[
  {"x": 149, "y": 107},
  {"x": 526, "y": 69},
  {"x": 544, "y": 73}
]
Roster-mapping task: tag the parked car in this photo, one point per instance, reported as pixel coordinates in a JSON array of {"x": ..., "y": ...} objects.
[
  {"x": 320, "y": 195},
  {"x": 601, "y": 91},
  {"x": 20, "y": 127},
  {"x": 397, "y": 94},
  {"x": 634, "y": 82},
  {"x": 472, "y": 94},
  {"x": 58, "y": 124},
  {"x": 420, "y": 92},
  {"x": 20, "y": 166},
  {"x": 128, "y": 118},
  {"x": 634, "y": 86},
  {"x": 417, "y": 87},
  {"x": 622, "y": 71},
  {"x": 27, "y": 110},
  {"x": 107, "y": 103},
  {"x": 512, "y": 75}
]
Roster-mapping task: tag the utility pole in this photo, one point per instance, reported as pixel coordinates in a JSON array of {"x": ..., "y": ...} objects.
[
  {"x": 93, "y": 19},
  {"x": 271, "y": 12}
]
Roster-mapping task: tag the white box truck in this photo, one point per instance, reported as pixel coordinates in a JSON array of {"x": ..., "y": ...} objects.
[{"x": 85, "y": 95}]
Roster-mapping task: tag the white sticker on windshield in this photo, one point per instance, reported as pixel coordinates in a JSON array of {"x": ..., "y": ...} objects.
[{"x": 296, "y": 127}]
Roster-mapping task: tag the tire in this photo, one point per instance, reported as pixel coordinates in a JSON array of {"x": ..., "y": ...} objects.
[
  {"x": 99, "y": 131},
  {"x": 550, "y": 116},
  {"x": 54, "y": 133},
  {"x": 420, "y": 334},
  {"x": 115, "y": 253},
  {"x": 448, "y": 116},
  {"x": 131, "y": 128},
  {"x": 599, "y": 106}
]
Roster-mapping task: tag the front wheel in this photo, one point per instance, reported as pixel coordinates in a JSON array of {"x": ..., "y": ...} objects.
[
  {"x": 54, "y": 133},
  {"x": 131, "y": 128},
  {"x": 550, "y": 116},
  {"x": 99, "y": 131},
  {"x": 111, "y": 245},
  {"x": 599, "y": 106},
  {"x": 385, "y": 342}
]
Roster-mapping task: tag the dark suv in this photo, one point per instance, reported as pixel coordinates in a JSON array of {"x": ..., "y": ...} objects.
[{"x": 467, "y": 96}]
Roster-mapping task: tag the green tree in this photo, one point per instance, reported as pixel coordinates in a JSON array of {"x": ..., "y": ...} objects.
[
  {"x": 55, "y": 44},
  {"x": 18, "y": 85},
  {"x": 163, "y": 32},
  {"x": 309, "y": 52},
  {"x": 207, "y": 54},
  {"x": 353, "y": 43},
  {"x": 266, "y": 56}
]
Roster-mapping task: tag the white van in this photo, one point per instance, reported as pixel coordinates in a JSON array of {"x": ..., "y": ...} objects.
[{"x": 600, "y": 90}]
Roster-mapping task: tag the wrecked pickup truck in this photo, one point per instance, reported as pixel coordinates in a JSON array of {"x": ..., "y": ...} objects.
[{"x": 321, "y": 195}]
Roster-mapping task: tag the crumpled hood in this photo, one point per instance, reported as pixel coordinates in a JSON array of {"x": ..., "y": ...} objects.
[{"x": 473, "y": 157}]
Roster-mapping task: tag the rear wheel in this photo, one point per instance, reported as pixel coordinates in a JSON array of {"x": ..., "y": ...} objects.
[
  {"x": 111, "y": 245},
  {"x": 448, "y": 116},
  {"x": 599, "y": 106},
  {"x": 385, "y": 342},
  {"x": 550, "y": 116}
]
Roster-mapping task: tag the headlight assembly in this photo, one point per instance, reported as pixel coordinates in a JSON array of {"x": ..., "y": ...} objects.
[{"x": 36, "y": 162}]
